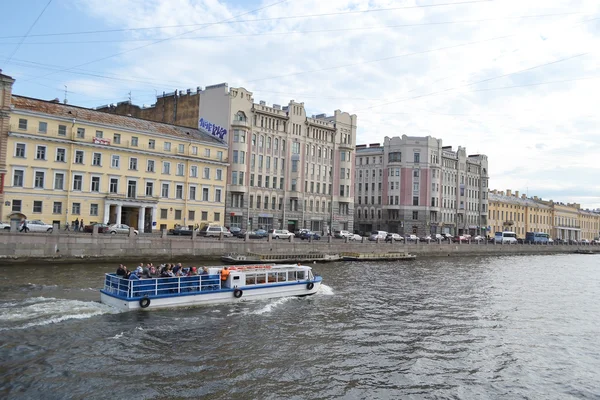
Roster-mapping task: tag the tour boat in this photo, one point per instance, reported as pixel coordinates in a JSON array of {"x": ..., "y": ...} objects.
[{"x": 248, "y": 282}]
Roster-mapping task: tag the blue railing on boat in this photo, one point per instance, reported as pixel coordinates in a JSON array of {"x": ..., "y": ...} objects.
[{"x": 151, "y": 287}]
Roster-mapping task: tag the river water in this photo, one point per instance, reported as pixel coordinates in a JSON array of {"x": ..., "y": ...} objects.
[{"x": 497, "y": 327}]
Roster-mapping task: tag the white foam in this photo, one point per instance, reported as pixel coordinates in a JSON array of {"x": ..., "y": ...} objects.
[
  {"x": 118, "y": 336},
  {"x": 269, "y": 307},
  {"x": 43, "y": 311},
  {"x": 326, "y": 290}
]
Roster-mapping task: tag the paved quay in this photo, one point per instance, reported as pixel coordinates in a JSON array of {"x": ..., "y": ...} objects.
[{"x": 162, "y": 247}]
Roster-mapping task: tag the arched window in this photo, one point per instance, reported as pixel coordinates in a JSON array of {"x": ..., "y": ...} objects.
[{"x": 240, "y": 116}]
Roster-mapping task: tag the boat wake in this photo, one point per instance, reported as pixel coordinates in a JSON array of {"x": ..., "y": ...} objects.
[
  {"x": 269, "y": 307},
  {"x": 326, "y": 290},
  {"x": 39, "y": 311}
]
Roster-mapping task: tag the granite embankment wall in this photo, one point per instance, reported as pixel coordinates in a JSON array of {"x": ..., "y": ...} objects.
[{"x": 162, "y": 248}]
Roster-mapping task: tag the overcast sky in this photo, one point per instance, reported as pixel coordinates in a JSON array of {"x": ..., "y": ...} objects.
[{"x": 518, "y": 80}]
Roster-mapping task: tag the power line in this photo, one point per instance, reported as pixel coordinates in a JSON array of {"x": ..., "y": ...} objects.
[
  {"x": 159, "y": 41},
  {"x": 229, "y": 21},
  {"x": 242, "y": 35},
  {"x": 28, "y": 31}
]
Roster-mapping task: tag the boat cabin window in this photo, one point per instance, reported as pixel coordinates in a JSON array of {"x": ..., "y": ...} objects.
[
  {"x": 260, "y": 278},
  {"x": 300, "y": 275},
  {"x": 281, "y": 277},
  {"x": 272, "y": 276},
  {"x": 250, "y": 279}
]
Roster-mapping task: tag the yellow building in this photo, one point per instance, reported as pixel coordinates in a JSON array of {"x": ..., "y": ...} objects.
[
  {"x": 573, "y": 223},
  {"x": 66, "y": 163},
  {"x": 519, "y": 214}
]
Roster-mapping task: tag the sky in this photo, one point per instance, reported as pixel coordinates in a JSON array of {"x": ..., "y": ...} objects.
[{"x": 516, "y": 80}]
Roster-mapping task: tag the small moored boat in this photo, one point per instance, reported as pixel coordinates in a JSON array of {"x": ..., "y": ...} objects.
[
  {"x": 249, "y": 258},
  {"x": 390, "y": 256},
  {"x": 249, "y": 282}
]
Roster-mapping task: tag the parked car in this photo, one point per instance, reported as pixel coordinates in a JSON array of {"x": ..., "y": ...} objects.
[
  {"x": 478, "y": 238},
  {"x": 310, "y": 234},
  {"x": 101, "y": 227},
  {"x": 214, "y": 231},
  {"x": 460, "y": 239},
  {"x": 595, "y": 241},
  {"x": 355, "y": 237},
  {"x": 584, "y": 241},
  {"x": 560, "y": 241},
  {"x": 342, "y": 234},
  {"x": 411, "y": 238},
  {"x": 36, "y": 225},
  {"x": 381, "y": 235},
  {"x": 5, "y": 226},
  {"x": 393, "y": 236},
  {"x": 426, "y": 238},
  {"x": 240, "y": 234},
  {"x": 181, "y": 231},
  {"x": 258, "y": 234},
  {"x": 119, "y": 228},
  {"x": 447, "y": 236},
  {"x": 235, "y": 230},
  {"x": 281, "y": 233}
]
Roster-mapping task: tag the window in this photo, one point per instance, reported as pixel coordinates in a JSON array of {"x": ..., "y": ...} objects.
[
  {"x": 77, "y": 182},
  {"x": 94, "y": 209},
  {"x": 22, "y": 124},
  {"x": 97, "y": 159},
  {"x": 39, "y": 179},
  {"x": 235, "y": 157},
  {"x": 217, "y": 216},
  {"x": 61, "y": 155},
  {"x": 95, "y": 187},
  {"x": 76, "y": 209},
  {"x": 206, "y": 174},
  {"x": 295, "y": 148},
  {"x": 20, "y": 150},
  {"x": 59, "y": 181},
  {"x": 180, "y": 148},
  {"x": 149, "y": 189},
  {"x": 117, "y": 138},
  {"x": 241, "y": 178},
  {"x": 260, "y": 161},
  {"x": 43, "y": 127},
  {"x": 180, "y": 167},
  {"x": 131, "y": 189},
  {"x": 16, "y": 205},
  {"x": 99, "y": 134},
  {"x": 164, "y": 212},
  {"x": 192, "y": 192},
  {"x": 204, "y": 215},
  {"x": 57, "y": 207},
  {"x": 114, "y": 185},
  {"x": 294, "y": 165},
  {"x": 40, "y": 153},
  {"x": 204, "y": 194},
  {"x": 219, "y": 175},
  {"x": 179, "y": 192},
  {"x": 415, "y": 215},
  {"x": 218, "y": 195},
  {"x": 37, "y": 206},
  {"x": 206, "y": 152},
  {"x": 165, "y": 190},
  {"x": 177, "y": 214},
  {"x": 167, "y": 146},
  {"x": 151, "y": 143},
  {"x": 191, "y": 215},
  {"x": 81, "y": 133},
  {"x": 417, "y": 158},
  {"x": 194, "y": 171},
  {"x": 220, "y": 155},
  {"x": 415, "y": 200},
  {"x": 133, "y": 163},
  {"x": 166, "y": 167},
  {"x": 195, "y": 150},
  {"x": 150, "y": 166},
  {"x": 78, "y": 156},
  {"x": 62, "y": 130},
  {"x": 261, "y": 141},
  {"x": 134, "y": 141}
]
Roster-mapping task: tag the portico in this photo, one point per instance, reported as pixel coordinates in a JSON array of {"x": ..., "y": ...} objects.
[{"x": 139, "y": 214}]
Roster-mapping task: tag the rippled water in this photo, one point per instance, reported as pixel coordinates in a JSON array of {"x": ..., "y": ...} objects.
[{"x": 510, "y": 327}]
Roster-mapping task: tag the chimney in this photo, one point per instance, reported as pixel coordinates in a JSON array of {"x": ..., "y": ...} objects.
[
  {"x": 508, "y": 192},
  {"x": 516, "y": 193},
  {"x": 524, "y": 196}
]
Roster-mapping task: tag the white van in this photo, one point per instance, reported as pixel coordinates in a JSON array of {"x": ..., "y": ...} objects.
[
  {"x": 505, "y": 237},
  {"x": 377, "y": 235}
]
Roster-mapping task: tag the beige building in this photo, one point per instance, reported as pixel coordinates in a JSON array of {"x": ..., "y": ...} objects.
[{"x": 65, "y": 163}]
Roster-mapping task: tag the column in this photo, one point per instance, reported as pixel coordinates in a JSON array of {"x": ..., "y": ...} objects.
[
  {"x": 141, "y": 217},
  {"x": 106, "y": 212},
  {"x": 119, "y": 207}
]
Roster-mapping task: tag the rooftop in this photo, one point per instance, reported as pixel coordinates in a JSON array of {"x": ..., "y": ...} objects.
[{"x": 89, "y": 115}]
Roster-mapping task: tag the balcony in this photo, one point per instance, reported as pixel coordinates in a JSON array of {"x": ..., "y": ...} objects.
[
  {"x": 240, "y": 123},
  {"x": 509, "y": 222},
  {"x": 238, "y": 188}
]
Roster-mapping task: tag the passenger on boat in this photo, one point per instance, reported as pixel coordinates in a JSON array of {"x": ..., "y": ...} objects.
[
  {"x": 152, "y": 270},
  {"x": 133, "y": 276},
  {"x": 224, "y": 274},
  {"x": 146, "y": 273},
  {"x": 176, "y": 269},
  {"x": 193, "y": 272},
  {"x": 204, "y": 271},
  {"x": 140, "y": 269},
  {"x": 121, "y": 270}
]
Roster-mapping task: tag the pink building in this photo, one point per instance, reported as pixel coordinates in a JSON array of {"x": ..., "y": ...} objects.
[{"x": 416, "y": 185}]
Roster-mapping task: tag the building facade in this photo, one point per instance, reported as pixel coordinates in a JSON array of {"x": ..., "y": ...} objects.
[
  {"x": 415, "y": 185},
  {"x": 6, "y": 83},
  {"x": 520, "y": 214},
  {"x": 288, "y": 170},
  {"x": 66, "y": 163}
]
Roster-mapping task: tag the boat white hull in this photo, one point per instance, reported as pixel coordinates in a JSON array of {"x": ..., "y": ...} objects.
[{"x": 220, "y": 297}]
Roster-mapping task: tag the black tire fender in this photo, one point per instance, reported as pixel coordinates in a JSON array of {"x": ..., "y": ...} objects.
[
  {"x": 144, "y": 302},
  {"x": 310, "y": 286},
  {"x": 237, "y": 293}
]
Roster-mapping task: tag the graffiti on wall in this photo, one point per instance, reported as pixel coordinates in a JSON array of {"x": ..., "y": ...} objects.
[{"x": 214, "y": 129}]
